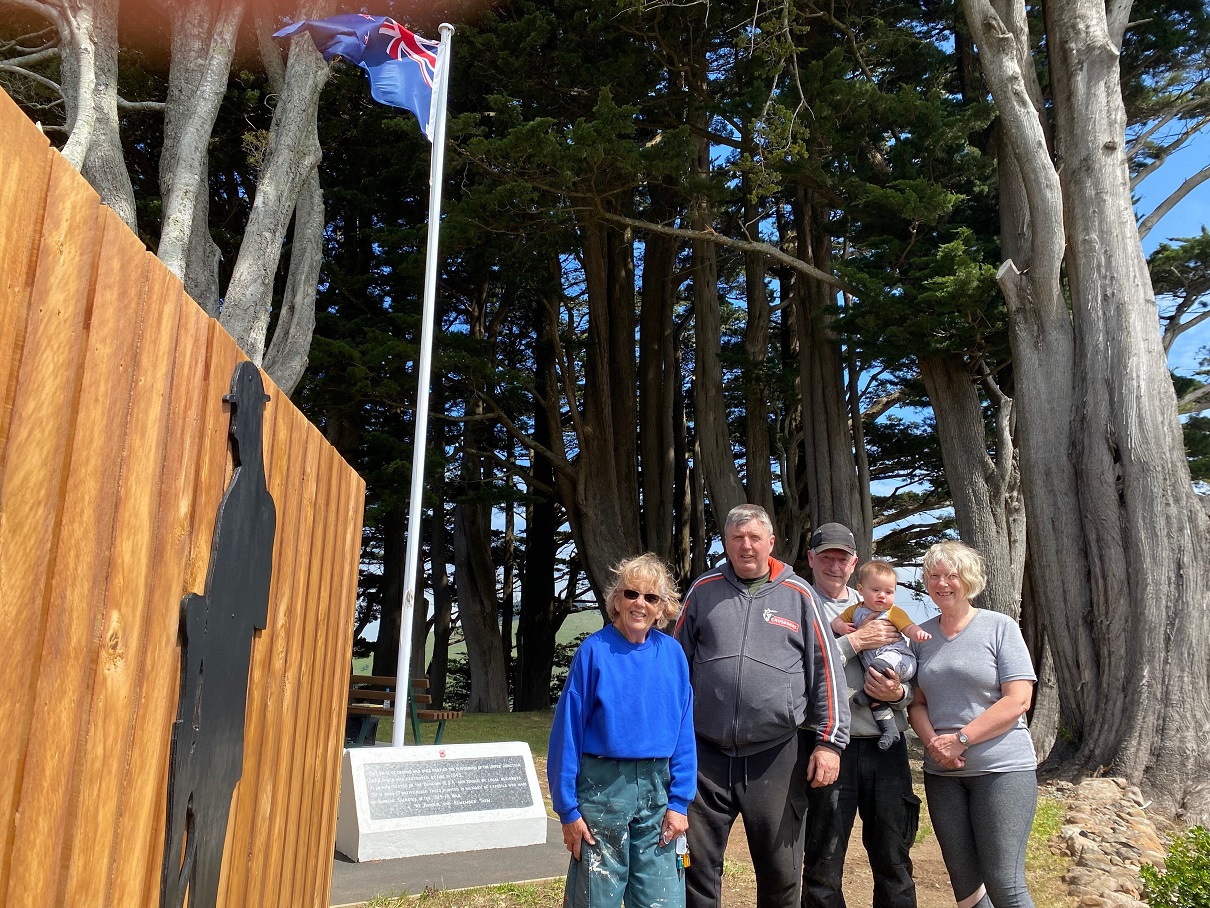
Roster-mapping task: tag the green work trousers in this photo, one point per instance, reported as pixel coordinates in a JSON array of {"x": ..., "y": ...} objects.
[{"x": 623, "y": 802}]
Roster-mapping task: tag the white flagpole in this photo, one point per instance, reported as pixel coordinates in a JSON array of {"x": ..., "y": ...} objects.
[{"x": 428, "y": 313}]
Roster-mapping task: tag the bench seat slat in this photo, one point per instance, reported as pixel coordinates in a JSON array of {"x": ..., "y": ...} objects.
[
  {"x": 370, "y": 694},
  {"x": 359, "y": 710}
]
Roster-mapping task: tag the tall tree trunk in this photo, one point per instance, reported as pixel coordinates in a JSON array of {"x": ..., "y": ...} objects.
[
  {"x": 474, "y": 570},
  {"x": 986, "y": 493},
  {"x": 1149, "y": 542},
  {"x": 390, "y": 590},
  {"x": 202, "y": 50},
  {"x": 475, "y": 577},
  {"x": 292, "y": 158},
  {"x": 508, "y": 569},
  {"x": 88, "y": 80},
  {"x": 1117, "y": 536},
  {"x": 794, "y": 520},
  {"x": 600, "y": 492},
  {"x": 832, "y": 489},
  {"x": 541, "y": 615},
  {"x": 437, "y": 669},
  {"x": 757, "y": 412},
  {"x": 289, "y": 351},
  {"x": 104, "y": 164},
  {"x": 659, "y": 380},
  {"x": 709, "y": 402},
  {"x": 684, "y": 534}
]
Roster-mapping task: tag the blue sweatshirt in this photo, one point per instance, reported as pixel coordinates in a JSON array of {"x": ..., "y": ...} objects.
[{"x": 625, "y": 701}]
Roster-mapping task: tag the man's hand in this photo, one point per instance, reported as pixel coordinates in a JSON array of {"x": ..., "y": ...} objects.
[
  {"x": 823, "y": 767},
  {"x": 873, "y": 634},
  {"x": 675, "y": 824},
  {"x": 575, "y": 833},
  {"x": 886, "y": 688}
]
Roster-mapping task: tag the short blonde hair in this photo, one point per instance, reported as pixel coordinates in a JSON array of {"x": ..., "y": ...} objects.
[
  {"x": 644, "y": 570},
  {"x": 876, "y": 566},
  {"x": 963, "y": 559}
]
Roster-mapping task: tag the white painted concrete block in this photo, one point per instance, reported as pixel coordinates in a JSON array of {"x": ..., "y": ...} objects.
[{"x": 436, "y": 799}]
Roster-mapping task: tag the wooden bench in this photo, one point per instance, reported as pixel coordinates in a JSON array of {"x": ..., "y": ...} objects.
[
  {"x": 419, "y": 695},
  {"x": 372, "y": 697}
]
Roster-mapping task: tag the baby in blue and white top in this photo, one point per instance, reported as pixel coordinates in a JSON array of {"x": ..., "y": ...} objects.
[{"x": 876, "y": 583}]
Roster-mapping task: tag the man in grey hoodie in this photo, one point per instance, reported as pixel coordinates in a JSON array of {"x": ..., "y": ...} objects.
[
  {"x": 873, "y": 782},
  {"x": 762, "y": 662}
]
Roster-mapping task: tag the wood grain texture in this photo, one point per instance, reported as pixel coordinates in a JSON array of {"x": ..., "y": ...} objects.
[
  {"x": 38, "y": 452},
  {"x": 113, "y": 458},
  {"x": 24, "y": 173}
]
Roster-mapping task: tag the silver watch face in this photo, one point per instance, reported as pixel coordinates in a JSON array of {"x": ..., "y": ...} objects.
[{"x": 963, "y": 739}]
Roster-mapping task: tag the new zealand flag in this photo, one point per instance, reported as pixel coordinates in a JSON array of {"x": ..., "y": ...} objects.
[{"x": 401, "y": 65}]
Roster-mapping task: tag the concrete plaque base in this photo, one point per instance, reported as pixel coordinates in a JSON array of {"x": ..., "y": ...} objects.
[{"x": 405, "y": 801}]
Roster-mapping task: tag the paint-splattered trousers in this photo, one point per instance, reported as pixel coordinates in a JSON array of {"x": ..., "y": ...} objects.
[{"x": 623, "y": 802}]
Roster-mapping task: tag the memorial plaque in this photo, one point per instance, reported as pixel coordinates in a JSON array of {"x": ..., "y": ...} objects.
[
  {"x": 404, "y": 801},
  {"x": 432, "y": 787}
]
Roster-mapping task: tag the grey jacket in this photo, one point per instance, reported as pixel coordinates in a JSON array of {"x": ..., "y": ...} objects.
[{"x": 761, "y": 664}]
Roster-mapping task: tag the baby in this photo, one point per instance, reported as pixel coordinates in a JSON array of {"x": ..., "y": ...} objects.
[{"x": 876, "y": 584}]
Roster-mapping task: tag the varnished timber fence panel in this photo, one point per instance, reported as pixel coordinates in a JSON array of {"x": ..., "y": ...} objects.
[{"x": 113, "y": 459}]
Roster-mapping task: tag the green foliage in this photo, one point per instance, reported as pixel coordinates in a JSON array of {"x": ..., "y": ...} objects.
[
  {"x": 1196, "y": 430},
  {"x": 1185, "y": 880}
]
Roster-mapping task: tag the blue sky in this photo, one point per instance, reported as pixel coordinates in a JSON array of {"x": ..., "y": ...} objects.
[{"x": 1186, "y": 219}]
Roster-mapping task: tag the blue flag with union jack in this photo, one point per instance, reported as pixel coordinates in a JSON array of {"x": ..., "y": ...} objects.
[{"x": 401, "y": 65}]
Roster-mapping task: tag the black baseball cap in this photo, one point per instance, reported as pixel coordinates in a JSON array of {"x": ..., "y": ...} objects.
[{"x": 833, "y": 536}]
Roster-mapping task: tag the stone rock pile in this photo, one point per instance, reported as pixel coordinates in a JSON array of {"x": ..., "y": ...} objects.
[{"x": 1108, "y": 835}]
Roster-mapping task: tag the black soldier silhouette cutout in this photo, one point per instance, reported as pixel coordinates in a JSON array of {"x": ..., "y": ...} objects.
[{"x": 216, "y": 632}]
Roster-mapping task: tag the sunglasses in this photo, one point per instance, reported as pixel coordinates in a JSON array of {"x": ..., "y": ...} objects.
[{"x": 649, "y": 598}]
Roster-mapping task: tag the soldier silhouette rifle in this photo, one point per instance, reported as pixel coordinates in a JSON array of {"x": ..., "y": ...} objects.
[{"x": 216, "y": 632}]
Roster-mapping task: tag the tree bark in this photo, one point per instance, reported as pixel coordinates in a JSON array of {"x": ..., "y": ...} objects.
[
  {"x": 292, "y": 158},
  {"x": 104, "y": 164},
  {"x": 986, "y": 493},
  {"x": 475, "y": 578},
  {"x": 659, "y": 380},
  {"x": 390, "y": 590},
  {"x": 830, "y": 465},
  {"x": 541, "y": 615},
  {"x": 709, "y": 402},
  {"x": 600, "y": 494},
  {"x": 88, "y": 80},
  {"x": 202, "y": 50},
  {"x": 758, "y": 452},
  {"x": 1146, "y": 537},
  {"x": 289, "y": 351},
  {"x": 1114, "y": 530},
  {"x": 443, "y": 605}
]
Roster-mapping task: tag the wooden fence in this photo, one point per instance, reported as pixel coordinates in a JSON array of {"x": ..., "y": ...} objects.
[{"x": 113, "y": 459}]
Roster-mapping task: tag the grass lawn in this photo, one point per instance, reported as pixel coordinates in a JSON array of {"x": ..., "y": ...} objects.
[{"x": 479, "y": 728}]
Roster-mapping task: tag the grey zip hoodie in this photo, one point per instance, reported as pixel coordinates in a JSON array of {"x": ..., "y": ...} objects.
[{"x": 761, "y": 664}]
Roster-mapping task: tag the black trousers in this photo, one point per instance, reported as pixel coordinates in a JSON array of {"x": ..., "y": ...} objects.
[
  {"x": 878, "y": 785},
  {"x": 768, "y": 789}
]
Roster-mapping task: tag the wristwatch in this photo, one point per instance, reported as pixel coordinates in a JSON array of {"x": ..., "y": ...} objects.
[{"x": 963, "y": 739}]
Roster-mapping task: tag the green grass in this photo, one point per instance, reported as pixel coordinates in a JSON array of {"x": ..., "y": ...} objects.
[
  {"x": 480, "y": 728},
  {"x": 511, "y": 895}
]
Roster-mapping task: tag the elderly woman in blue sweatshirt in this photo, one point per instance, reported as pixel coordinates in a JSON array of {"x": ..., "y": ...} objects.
[{"x": 622, "y": 763}]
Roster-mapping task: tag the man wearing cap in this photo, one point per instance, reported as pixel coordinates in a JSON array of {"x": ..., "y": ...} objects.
[
  {"x": 873, "y": 782},
  {"x": 763, "y": 664}
]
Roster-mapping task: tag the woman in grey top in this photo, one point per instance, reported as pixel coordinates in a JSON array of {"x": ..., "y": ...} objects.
[{"x": 974, "y": 685}]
